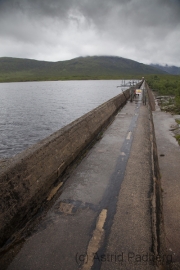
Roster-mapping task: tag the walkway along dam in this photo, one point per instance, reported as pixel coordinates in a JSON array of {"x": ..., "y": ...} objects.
[{"x": 89, "y": 196}]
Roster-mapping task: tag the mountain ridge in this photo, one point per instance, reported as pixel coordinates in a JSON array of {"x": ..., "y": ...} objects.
[
  {"x": 90, "y": 67},
  {"x": 173, "y": 70}
]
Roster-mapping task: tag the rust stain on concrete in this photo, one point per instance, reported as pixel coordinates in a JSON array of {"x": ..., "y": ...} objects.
[
  {"x": 66, "y": 208},
  {"x": 53, "y": 191}
]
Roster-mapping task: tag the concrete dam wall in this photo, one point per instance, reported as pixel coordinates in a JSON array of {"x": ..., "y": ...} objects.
[{"x": 27, "y": 180}]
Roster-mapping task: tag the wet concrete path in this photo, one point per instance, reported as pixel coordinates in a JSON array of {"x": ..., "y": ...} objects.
[
  {"x": 102, "y": 219},
  {"x": 169, "y": 162}
]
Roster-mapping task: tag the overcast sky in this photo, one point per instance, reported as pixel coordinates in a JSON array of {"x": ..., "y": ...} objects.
[{"x": 146, "y": 31}]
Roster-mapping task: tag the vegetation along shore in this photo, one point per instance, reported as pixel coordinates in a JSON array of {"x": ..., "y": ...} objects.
[{"x": 167, "y": 91}]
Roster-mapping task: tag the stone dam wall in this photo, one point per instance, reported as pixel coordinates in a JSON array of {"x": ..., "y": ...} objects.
[
  {"x": 158, "y": 235},
  {"x": 27, "y": 180}
]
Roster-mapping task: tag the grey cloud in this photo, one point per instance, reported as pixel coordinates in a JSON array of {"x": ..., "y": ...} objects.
[
  {"x": 98, "y": 11},
  {"x": 143, "y": 30},
  {"x": 35, "y": 8}
]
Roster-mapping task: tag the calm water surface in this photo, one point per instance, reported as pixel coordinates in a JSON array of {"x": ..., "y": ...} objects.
[{"x": 31, "y": 111}]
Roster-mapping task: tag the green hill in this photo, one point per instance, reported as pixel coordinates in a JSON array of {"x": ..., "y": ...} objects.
[{"x": 95, "y": 67}]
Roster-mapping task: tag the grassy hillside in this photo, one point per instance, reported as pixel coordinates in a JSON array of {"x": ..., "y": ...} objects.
[
  {"x": 96, "y": 67},
  {"x": 167, "y": 85}
]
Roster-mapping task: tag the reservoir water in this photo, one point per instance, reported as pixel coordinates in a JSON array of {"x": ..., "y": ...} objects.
[{"x": 31, "y": 111}]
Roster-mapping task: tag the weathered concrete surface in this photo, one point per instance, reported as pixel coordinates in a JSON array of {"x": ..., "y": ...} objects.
[
  {"x": 169, "y": 162},
  {"x": 68, "y": 226},
  {"x": 26, "y": 180},
  {"x": 131, "y": 232},
  {"x": 105, "y": 206}
]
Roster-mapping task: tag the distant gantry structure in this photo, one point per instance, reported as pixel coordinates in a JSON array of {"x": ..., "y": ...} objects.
[{"x": 126, "y": 83}]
